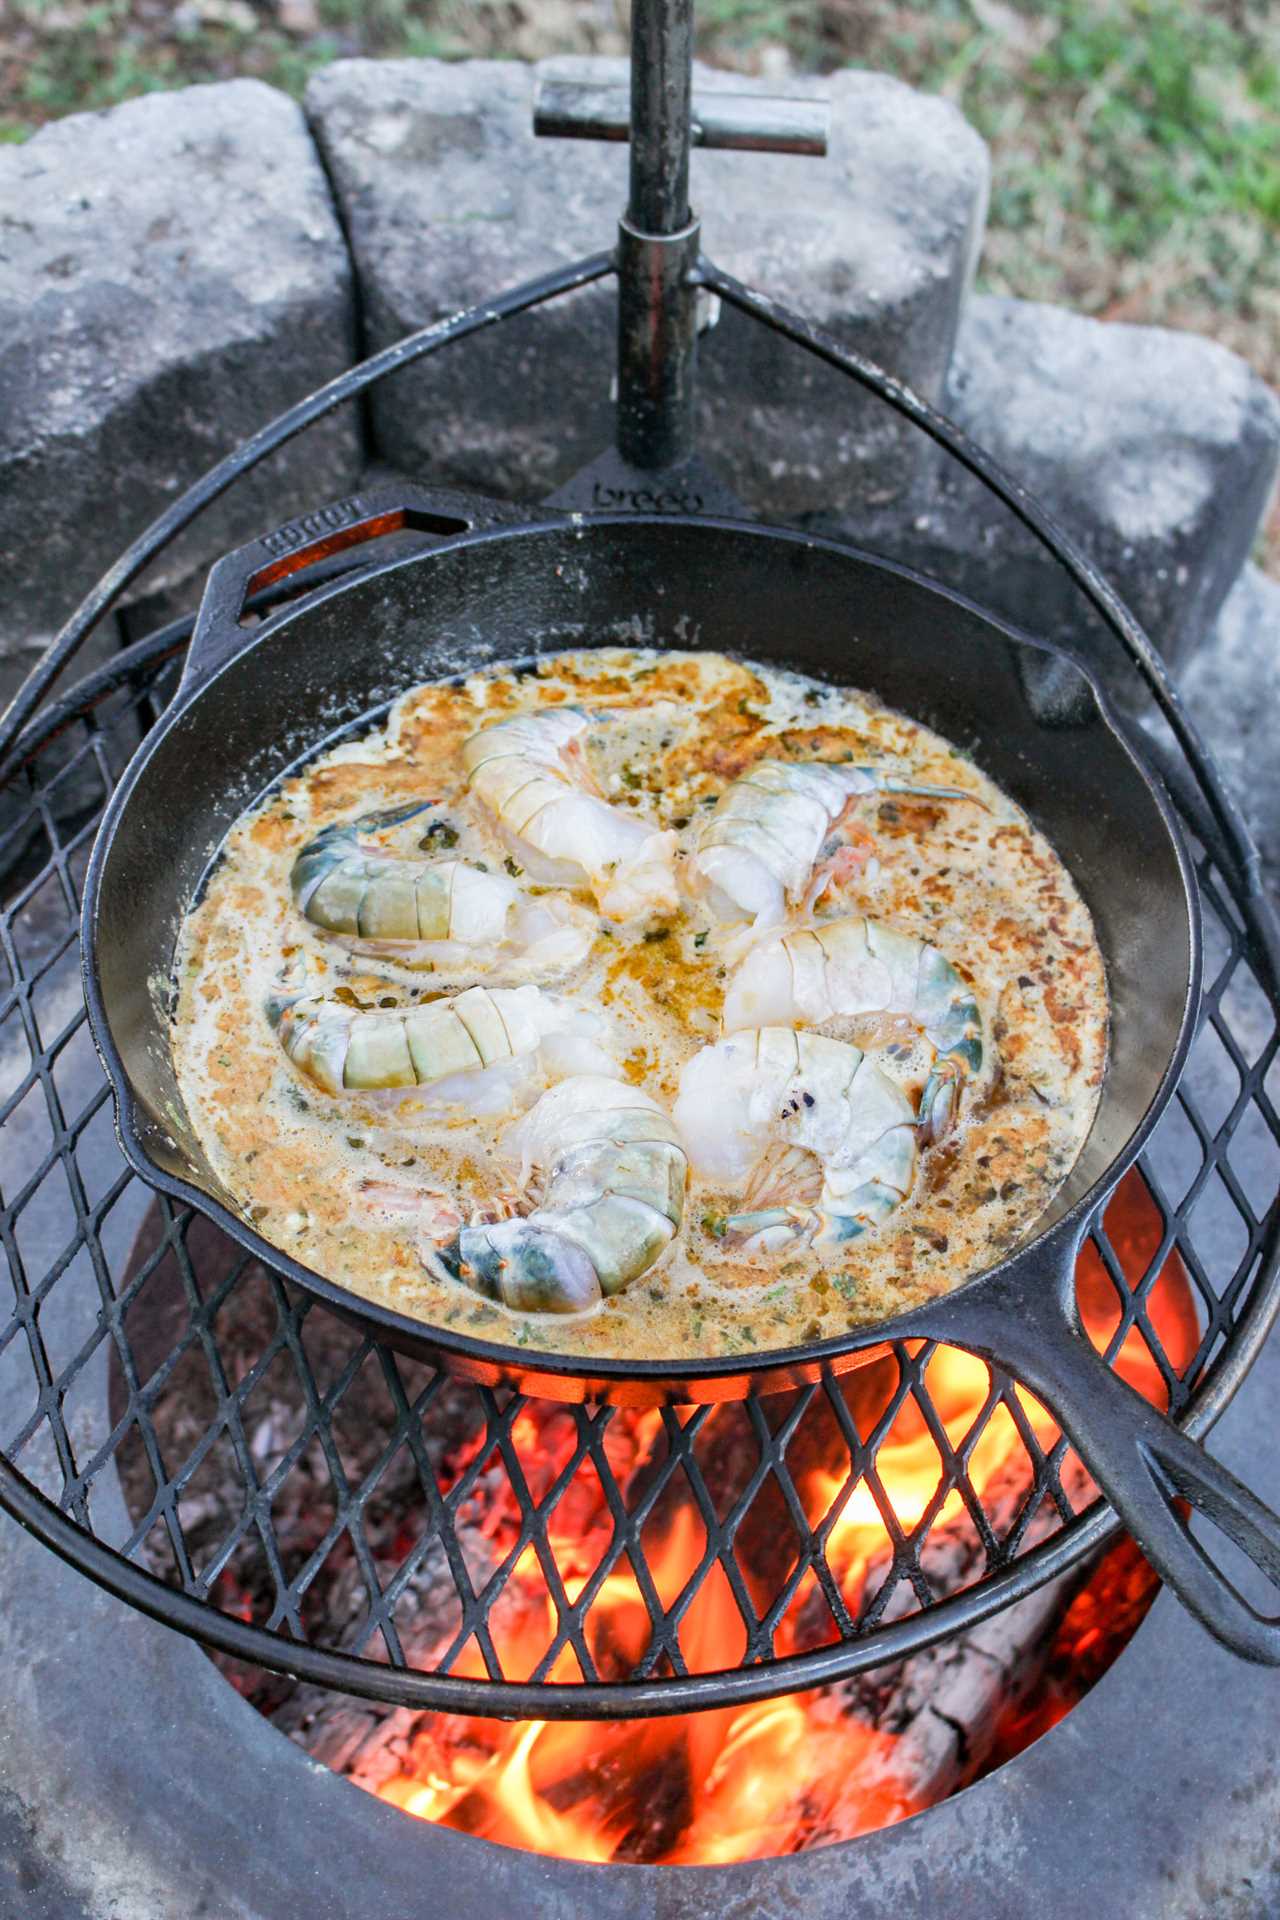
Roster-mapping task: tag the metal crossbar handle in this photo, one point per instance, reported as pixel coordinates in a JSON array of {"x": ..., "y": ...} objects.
[{"x": 746, "y": 122}]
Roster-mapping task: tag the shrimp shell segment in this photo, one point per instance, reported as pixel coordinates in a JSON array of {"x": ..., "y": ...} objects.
[
  {"x": 614, "y": 1173},
  {"x": 531, "y": 775},
  {"x": 759, "y": 847},
  {"x": 427, "y": 913},
  {"x": 748, "y": 1102},
  {"x": 345, "y": 1049},
  {"x": 859, "y": 966}
]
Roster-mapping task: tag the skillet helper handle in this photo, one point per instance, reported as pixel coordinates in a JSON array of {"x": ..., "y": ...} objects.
[
  {"x": 1141, "y": 1461},
  {"x": 322, "y": 542}
]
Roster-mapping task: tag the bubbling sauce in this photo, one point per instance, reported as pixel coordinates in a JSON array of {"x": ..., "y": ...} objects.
[{"x": 334, "y": 1180}]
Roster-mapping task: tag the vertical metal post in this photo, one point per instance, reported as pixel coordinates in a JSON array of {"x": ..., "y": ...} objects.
[
  {"x": 658, "y": 245},
  {"x": 661, "y": 114}
]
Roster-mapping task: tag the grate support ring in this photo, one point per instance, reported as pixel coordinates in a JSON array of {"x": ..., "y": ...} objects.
[{"x": 75, "y": 1297}]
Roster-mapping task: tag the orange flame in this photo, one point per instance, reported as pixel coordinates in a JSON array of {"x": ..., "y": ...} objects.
[{"x": 731, "y": 1784}]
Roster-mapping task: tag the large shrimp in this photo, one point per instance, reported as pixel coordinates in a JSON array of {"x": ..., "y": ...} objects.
[
  {"x": 431, "y": 913},
  {"x": 817, "y": 1139},
  {"x": 760, "y": 844},
  {"x": 479, "y": 1049},
  {"x": 612, "y": 1201},
  {"x": 854, "y": 966},
  {"x": 531, "y": 774}
]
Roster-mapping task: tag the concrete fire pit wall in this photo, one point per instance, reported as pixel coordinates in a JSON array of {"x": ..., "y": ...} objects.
[
  {"x": 178, "y": 269},
  {"x": 172, "y": 273}
]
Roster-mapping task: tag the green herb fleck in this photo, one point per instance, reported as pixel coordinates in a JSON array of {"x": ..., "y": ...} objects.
[{"x": 715, "y": 1224}]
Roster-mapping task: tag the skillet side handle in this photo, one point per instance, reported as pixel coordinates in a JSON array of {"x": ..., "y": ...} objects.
[
  {"x": 319, "y": 543},
  {"x": 1140, "y": 1460}
]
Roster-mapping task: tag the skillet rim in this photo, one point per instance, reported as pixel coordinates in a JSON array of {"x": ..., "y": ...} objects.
[{"x": 534, "y": 1371}]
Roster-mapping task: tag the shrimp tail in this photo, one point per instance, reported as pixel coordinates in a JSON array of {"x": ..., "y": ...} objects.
[
  {"x": 767, "y": 1228},
  {"x": 954, "y": 1026},
  {"x": 759, "y": 847},
  {"x": 614, "y": 1182},
  {"x": 520, "y": 1264},
  {"x": 428, "y": 1044},
  {"x": 862, "y": 1211},
  {"x": 532, "y": 774},
  {"x": 938, "y": 1103}
]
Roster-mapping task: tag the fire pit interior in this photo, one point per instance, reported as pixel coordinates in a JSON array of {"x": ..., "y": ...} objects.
[{"x": 731, "y": 1784}]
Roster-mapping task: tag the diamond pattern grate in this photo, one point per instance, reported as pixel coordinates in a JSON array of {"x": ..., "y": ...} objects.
[{"x": 235, "y": 1459}]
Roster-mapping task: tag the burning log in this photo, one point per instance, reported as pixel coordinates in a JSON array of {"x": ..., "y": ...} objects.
[
  {"x": 944, "y": 1707},
  {"x": 728, "y": 1784}
]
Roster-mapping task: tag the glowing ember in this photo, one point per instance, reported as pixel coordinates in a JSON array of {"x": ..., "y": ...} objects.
[{"x": 736, "y": 1784}]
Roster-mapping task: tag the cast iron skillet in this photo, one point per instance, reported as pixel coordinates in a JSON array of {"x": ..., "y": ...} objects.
[{"x": 257, "y": 702}]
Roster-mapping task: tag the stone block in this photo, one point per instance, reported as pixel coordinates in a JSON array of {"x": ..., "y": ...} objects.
[
  {"x": 172, "y": 274},
  {"x": 1156, "y": 451},
  {"x": 1232, "y": 688},
  {"x": 447, "y": 197}
]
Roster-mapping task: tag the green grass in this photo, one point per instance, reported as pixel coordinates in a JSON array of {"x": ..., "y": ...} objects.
[
  {"x": 1127, "y": 134},
  {"x": 1146, "y": 133}
]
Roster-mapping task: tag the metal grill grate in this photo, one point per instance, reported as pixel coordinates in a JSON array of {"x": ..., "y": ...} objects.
[{"x": 270, "y": 1454}]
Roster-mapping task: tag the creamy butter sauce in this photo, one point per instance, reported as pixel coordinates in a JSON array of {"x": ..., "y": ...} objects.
[{"x": 337, "y": 1181}]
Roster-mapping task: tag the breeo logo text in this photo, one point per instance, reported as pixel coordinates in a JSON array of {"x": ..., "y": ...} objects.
[
  {"x": 644, "y": 500},
  {"x": 311, "y": 525}
]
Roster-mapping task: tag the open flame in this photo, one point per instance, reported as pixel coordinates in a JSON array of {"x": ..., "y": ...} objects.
[{"x": 736, "y": 1784}]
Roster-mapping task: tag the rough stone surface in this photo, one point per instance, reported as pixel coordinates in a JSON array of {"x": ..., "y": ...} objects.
[
  {"x": 448, "y": 197},
  {"x": 1156, "y": 450},
  {"x": 1233, "y": 687},
  {"x": 172, "y": 274}
]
